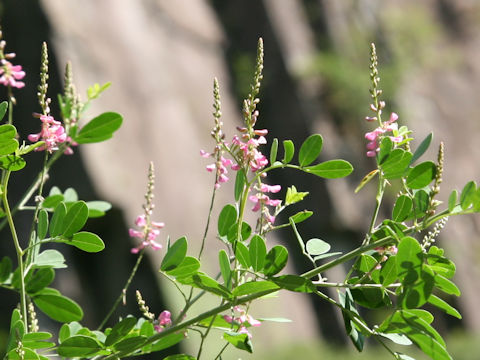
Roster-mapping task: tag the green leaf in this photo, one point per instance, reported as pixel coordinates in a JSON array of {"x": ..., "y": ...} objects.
[
  {"x": 310, "y": 149},
  {"x": 95, "y": 90},
  {"x": 97, "y": 208},
  {"x": 331, "y": 169},
  {"x": 70, "y": 195},
  {"x": 386, "y": 146},
  {"x": 58, "y": 307},
  {"x": 12, "y": 162},
  {"x": 211, "y": 285},
  {"x": 441, "y": 304},
  {"x": 56, "y": 224},
  {"x": 421, "y": 202},
  {"x": 468, "y": 195},
  {"x": 399, "y": 339},
  {"x": 258, "y": 252},
  {"x": 273, "y": 151},
  {"x": 388, "y": 272},
  {"x": 288, "y": 151},
  {"x": 78, "y": 346},
  {"x": 179, "y": 357},
  {"x": 100, "y": 128},
  {"x": 415, "y": 295},
  {"x": 3, "y": 110},
  {"x": 227, "y": 217},
  {"x": 75, "y": 218},
  {"x": 346, "y": 301},
  {"x": 253, "y": 287},
  {"x": 167, "y": 341},
  {"x": 371, "y": 298},
  {"x": 366, "y": 179},
  {"x": 240, "y": 341},
  {"x": 421, "y": 175},
  {"x": 317, "y": 247},
  {"x": 17, "y": 330},
  {"x": 294, "y": 283},
  {"x": 422, "y": 148},
  {"x": 239, "y": 184},
  {"x": 225, "y": 268},
  {"x": 275, "y": 260},
  {"x": 175, "y": 255},
  {"x": 243, "y": 255},
  {"x": 301, "y": 216},
  {"x": 409, "y": 260},
  {"x": 120, "y": 330},
  {"x": 42, "y": 225},
  {"x": 40, "y": 279},
  {"x": 446, "y": 285},
  {"x": 439, "y": 264},
  {"x": 396, "y": 164},
  {"x": 402, "y": 208},
  {"x": 36, "y": 340},
  {"x": 50, "y": 258},
  {"x": 188, "y": 266},
  {"x": 87, "y": 241},
  {"x": 5, "y": 268},
  {"x": 293, "y": 196},
  {"x": 28, "y": 354},
  {"x": 8, "y": 146}
]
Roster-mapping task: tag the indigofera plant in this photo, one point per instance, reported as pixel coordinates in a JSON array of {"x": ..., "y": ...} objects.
[{"x": 396, "y": 270}]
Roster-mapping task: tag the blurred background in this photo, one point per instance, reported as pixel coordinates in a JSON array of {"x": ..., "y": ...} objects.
[{"x": 161, "y": 57}]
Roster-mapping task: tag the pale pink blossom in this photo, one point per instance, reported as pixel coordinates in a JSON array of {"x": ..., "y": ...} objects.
[
  {"x": 164, "y": 320},
  {"x": 374, "y": 136},
  {"x": 147, "y": 234},
  {"x": 243, "y": 320},
  {"x": 10, "y": 74},
  {"x": 52, "y": 133}
]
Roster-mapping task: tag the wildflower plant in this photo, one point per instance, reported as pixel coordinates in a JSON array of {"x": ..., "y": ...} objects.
[{"x": 392, "y": 271}]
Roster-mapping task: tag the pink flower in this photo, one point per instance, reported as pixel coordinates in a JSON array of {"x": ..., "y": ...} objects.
[
  {"x": 373, "y": 136},
  {"x": 243, "y": 320},
  {"x": 10, "y": 74},
  {"x": 148, "y": 234},
  {"x": 165, "y": 318},
  {"x": 52, "y": 133},
  {"x": 261, "y": 200}
]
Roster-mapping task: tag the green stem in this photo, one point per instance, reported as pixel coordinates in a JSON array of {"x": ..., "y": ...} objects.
[
  {"x": 208, "y": 222},
  {"x": 348, "y": 256},
  {"x": 196, "y": 319},
  {"x": 378, "y": 202},
  {"x": 34, "y": 186},
  {"x": 18, "y": 249},
  {"x": 124, "y": 290}
]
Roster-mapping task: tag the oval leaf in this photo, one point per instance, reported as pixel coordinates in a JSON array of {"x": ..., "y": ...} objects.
[
  {"x": 310, "y": 149},
  {"x": 78, "y": 346},
  {"x": 57, "y": 219},
  {"x": 188, "y": 266},
  {"x": 275, "y": 260},
  {"x": 258, "y": 252},
  {"x": 75, "y": 218},
  {"x": 100, "y": 128},
  {"x": 227, "y": 217},
  {"x": 50, "y": 258},
  {"x": 58, "y": 307},
  {"x": 273, "y": 151},
  {"x": 288, "y": 151},
  {"x": 253, "y": 287},
  {"x": 8, "y": 146},
  {"x": 331, "y": 169},
  {"x": 12, "y": 162},
  {"x": 87, "y": 241},
  {"x": 317, "y": 247},
  {"x": 421, "y": 175},
  {"x": 175, "y": 255},
  {"x": 225, "y": 267},
  {"x": 120, "y": 330},
  {"x": 422, "y": 148},
  {"x": 402, "y": 208}
]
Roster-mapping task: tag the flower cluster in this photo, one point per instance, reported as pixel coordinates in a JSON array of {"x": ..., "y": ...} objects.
[
  {"x": 243, "y": 321},
  {"x": 148, "y": 233},
  {"x": 164, "y": 320},
  {"x": 247, "y": 151},
  {"x": 220, "y": 167},
  {"x": 10, "y": 74},
  {"x": 384, "y": 252},
  {"x": 52, "y": 133},
  {"x": 373, "y": 136},
  {"x": 261, "y": 199}
]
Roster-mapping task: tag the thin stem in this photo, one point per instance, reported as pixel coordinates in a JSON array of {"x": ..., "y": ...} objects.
[
  {"x": 353, "y": 286},
  {"x": 204, "y": 335},
  {"x": 34, "y": 186},
  {"x": 18, "y": 249},
  {"x": 378, "y": 202},
  {"x": 124, "y": 290},
  {"x": 219, "y": 356},
  {"x": 208, "y": 222}
]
